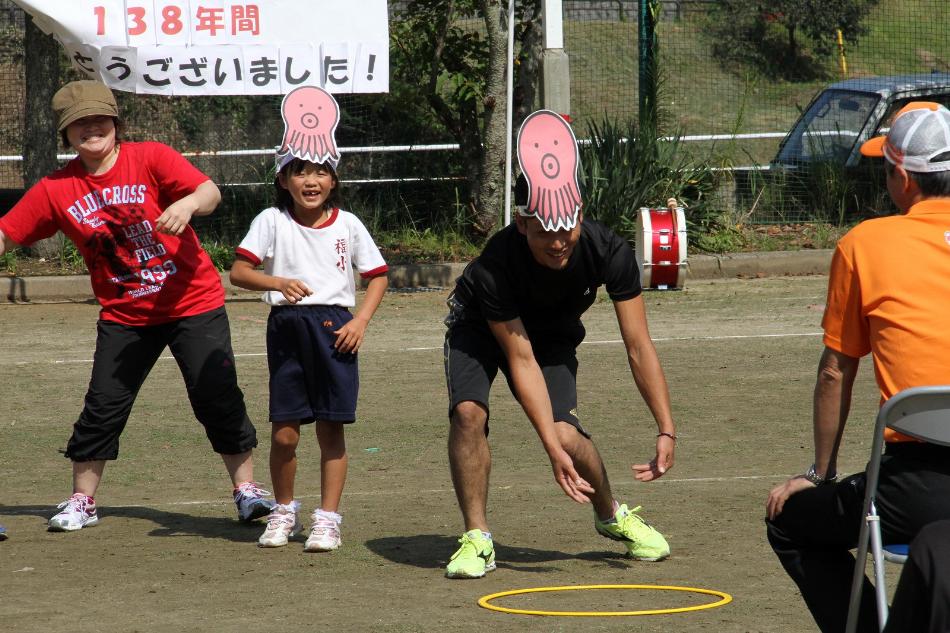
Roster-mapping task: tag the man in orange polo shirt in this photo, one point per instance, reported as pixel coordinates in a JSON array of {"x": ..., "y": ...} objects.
[{"x": 888, "y": 294}]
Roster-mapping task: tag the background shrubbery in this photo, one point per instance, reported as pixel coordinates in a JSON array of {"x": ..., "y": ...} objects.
[{"x": 731, "y": 67}]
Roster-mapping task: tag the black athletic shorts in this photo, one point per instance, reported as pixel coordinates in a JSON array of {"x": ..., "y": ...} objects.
[
  {"x": 125, "y": 355},
  {"x": 473, "y": 358}
]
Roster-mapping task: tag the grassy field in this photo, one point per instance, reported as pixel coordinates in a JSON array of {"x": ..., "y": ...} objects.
[
  {"x": 703, "y": 97},
  {"x": 169, "y": 555}
]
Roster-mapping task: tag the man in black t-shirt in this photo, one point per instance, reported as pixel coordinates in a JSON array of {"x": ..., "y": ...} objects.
[{"x": 517, "y": 308}]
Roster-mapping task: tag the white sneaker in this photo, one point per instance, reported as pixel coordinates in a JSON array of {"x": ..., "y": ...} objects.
[
  {"x": 281, "y": 525},
  {"x": 250, "y": 501},
  {"x": 78, "y": 511},
  {"x": 325, "y": 532}
]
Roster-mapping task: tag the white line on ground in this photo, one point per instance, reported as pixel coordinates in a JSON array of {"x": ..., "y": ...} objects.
[
  {"x": 357, "y": 493},
  {"x": 430, "y": 349},
  {"x": 708, "y": 338}
]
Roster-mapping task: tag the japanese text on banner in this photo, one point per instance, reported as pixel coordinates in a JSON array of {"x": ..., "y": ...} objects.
[{"x": 219, "y": 47}]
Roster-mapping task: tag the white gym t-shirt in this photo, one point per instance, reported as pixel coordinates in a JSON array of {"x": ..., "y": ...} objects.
[{"x": 324, "y": 258}]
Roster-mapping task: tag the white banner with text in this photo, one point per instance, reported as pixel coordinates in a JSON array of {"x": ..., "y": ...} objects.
[{"x": 220, "y": 47}]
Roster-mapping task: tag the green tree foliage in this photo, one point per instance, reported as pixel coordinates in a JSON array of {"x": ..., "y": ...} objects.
[
  {"x": 448, "y": 61},
  {"x": 785, "y": 39}
]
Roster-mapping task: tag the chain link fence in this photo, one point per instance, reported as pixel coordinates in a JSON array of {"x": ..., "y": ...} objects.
[
  {"x": 735, "y": 76},
  {"x": 733, "y": 79},
  {"x": 233, "y": 140}
]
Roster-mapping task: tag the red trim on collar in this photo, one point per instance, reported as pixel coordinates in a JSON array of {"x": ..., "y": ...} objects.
[{"x": 334, "y": 212}]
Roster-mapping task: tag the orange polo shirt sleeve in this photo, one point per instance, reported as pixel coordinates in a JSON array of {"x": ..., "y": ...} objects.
[{"x": 845, "y": 324}]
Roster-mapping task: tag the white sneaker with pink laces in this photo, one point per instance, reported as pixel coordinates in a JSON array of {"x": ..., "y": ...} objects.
[
  {"x": 282, "y": 524},
  {"x": 78, "y": 511},
  {"x": 325, "y": 532}
]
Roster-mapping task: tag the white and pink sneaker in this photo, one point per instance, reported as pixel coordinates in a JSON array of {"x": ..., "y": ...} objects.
[
  {"x": 282, "y": 524},
  {"x": 325, "y": 532},
  {"x": 78, "y": 511}
]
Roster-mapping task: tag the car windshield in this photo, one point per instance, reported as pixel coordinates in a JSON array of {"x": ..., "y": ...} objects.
[{"x": 829, "y": 128}]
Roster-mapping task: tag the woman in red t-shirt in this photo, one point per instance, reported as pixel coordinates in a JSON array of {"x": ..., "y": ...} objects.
[{"x": 127, "y": 207}]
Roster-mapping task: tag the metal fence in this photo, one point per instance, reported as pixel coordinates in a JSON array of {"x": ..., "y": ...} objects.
[
  {"x": 233, "y": 139},
  {"x": 733, "y": 102},
  {"x": 729, "y": 101}
]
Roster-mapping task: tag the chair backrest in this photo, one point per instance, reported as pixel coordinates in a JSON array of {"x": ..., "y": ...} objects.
[{"x": 920, "y": 412}]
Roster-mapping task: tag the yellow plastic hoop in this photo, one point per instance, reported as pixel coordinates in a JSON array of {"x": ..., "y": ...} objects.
[{"x": 485, "y": 601}]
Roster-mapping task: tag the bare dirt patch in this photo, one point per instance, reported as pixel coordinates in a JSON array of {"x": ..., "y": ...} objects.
[{"x": 168, "y": 554}]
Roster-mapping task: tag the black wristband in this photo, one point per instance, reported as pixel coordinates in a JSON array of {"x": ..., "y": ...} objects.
[{"x": 665, "y": 434}]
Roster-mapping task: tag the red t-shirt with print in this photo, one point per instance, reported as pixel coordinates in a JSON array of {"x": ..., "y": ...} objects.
[{"x": 139, "y": 276}]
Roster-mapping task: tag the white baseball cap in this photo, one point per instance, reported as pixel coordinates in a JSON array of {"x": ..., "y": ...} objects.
[{"x": 919, "y": 134}]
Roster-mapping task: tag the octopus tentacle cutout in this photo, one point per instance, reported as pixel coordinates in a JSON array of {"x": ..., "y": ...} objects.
[
  {"x": 549, "y": 159},
  {"x": 311, "y": 115}
]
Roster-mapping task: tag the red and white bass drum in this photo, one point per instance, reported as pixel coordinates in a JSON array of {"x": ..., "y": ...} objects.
[{"x": 661, "y": 248}]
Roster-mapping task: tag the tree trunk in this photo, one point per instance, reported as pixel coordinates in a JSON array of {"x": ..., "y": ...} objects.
[
  {"x": 528, "y": 70},
  {"x": 489, "y": 189},
  {"x": 41, "y": 56},
  {"x": 792, "y": 45}
]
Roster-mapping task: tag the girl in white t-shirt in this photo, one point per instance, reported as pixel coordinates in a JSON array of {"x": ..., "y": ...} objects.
[{"x": 310, "y": 250}]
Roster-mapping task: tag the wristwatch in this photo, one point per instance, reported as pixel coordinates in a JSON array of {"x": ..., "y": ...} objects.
[{"x": 812, "y": 475}]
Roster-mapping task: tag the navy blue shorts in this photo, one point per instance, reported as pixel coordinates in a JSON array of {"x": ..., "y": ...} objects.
[
  {"x": 309, "y": 379},
  {"x": 473, "y": 357}
]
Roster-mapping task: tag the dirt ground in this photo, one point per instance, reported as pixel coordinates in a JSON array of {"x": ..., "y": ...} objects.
[{"x": 168, "y": 554}]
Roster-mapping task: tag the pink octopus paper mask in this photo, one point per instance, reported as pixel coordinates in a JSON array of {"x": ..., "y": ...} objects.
[
  {"x": 547, "y": 153},
  {"x": 310, "y": 116}
]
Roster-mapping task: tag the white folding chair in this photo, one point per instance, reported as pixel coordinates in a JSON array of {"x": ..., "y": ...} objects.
[{"x": 922, "y": 413}]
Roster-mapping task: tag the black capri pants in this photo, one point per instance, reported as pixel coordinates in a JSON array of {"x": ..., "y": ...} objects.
[{"x": 125, "y": 355}]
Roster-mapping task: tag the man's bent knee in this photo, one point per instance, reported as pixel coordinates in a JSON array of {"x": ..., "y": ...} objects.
[
  {"x": 469, "y": 416},
  {"x": 570, "y": 436}
]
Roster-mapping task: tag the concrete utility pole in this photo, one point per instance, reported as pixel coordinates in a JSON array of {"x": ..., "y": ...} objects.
[{"x": 555, "y": 69}]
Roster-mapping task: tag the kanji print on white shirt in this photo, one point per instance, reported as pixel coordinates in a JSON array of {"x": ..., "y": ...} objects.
[{"x": 324, "y": 258}]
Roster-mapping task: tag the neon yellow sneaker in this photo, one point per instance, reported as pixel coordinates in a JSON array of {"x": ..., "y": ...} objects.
[
  {"x": 474, "y": 558},
  {"x": 642, "y": 540}
]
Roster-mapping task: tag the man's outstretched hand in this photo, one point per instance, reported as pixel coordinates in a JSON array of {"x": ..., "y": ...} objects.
[{"x": 573, "y": 485}]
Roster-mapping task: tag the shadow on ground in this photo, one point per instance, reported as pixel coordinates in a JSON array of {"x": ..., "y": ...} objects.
[
  {"x": 169, "y": 523},
  {"x": 431, "y": 551}
]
